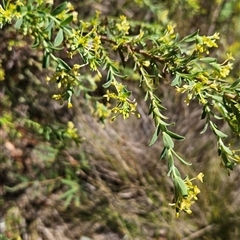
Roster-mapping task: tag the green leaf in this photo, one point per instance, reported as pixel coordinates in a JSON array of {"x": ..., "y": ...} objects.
[
  {"x": 204, "y": 129},
  {"x": 66, "y": 21},
  {"x": 59, "y": 38},
  {"x": 177, "y": 81},
  {"x": 155, "y": 136},
  {"x": 175, "y": 136},
  {"x": 3, "y": 4},
  {"x": 218, "y": 132},
  {"x": 183, "y": 187},
  {"x": 36, "y": 42},
  {"x": 49, "y": 28},
  {"x": 46, "y": 59},
  {"x": 41, "y": 13},
  {"x": 107, "y": 84},
  {"x": 63, "y": 64},
  {"x": 68, "y": 193},
  {"x": 18, "y": 23},
  {"x": 177, "y": 172},
  {"x": 204, "y": 113},
  {"x": 226, "y": 150},
  {"x": 164, "y": 123},
  {"x": 181, "y": 159},
  {"x": 218, "y": 117},
  {"x": 180, "y": 185},
  {"x": 216, "y": 66},
  {"x": 190, "y": 37},
  {"x": 235, "y": 83},
  {"x": 167, "y": 141},
  {"x": 59, "y": 9},
  {"x": 227, "y": 164},
  {"x": 146, "y": 97},
  {"x": 163, "y": 153},
  {"x": 208, "y": 59}
]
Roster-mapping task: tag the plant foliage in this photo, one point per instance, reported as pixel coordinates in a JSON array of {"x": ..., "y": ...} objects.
[{"x": 114, "y": 49}]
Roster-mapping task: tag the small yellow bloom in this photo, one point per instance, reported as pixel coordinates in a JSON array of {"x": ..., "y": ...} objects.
[
  {"x": 48, "y": 78},
  {"x": 184, "y": 203},
  {"x": 70, "y": 105},
  {"x": 57, "y": 96},
  {"x": 49, "y": 2},
  {"x": 200, "y": 177},
  {"x": 225, "y": 70},
  {"x": 75, "y": 16},
  {"x": 70, "y": 6},
  {"x": 2, "y": 74},
  {"x": 123, "y": 26}
]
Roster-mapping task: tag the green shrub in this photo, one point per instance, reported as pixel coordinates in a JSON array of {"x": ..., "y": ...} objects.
[{"x": 118, "y": 51}]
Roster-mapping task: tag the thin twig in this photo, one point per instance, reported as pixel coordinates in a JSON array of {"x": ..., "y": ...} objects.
[{"x": 200, "y": 232}]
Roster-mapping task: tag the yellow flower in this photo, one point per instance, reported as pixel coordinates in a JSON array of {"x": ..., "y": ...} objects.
[
  {"x": 70, "y": 105},
  {"x": 200, "y": 177},
  {"x": 184, "y": 203},
  {"x": 2, "y": 74},
  {"x": 48, "y": 79},
  {"x": 225, "y": 70},
  {"x": 70, "y": 6},
  {"x": 123, "y": 26},
  {"x": 75, "y": 16},
  {"x": 209, "y": 41},
  {"x": 57, "y": 96},
  {"x": 71, "y": 130}
]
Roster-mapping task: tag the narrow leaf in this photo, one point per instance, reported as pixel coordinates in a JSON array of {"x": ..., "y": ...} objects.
[
  {"x": 167, "y": 140},
  {"x": 63, "y": 64},
  {"x": 66, "y": 21},
  {"x": 163, "y": 153},
  {"x": 180, "y": 185},
  {"x": 36, "y": 42},
  {"x": 234, "y": 84},
  {"x": 4, "y": 4},
  {"x": 227, "y": 164},
  {"x": 177, "y": 172},
  {"x": 107, "y": 84},
  {"x": 68, "y": 201},
  {"x": 226, "y": 150},
  {"x": 208, "y": 59},
  {"x": 216, "y": 66},
  {"x": 220, "y": 133},
  {"x": 59, "y": 38},
  {"x": 176, "y": 81},
  {"x": 59, "y": 9},
  {"x": 46, "y": 59},
  {"x": 204, "y": 129},
  {"x": 155, "y": 136},
  {"x": 49, "y": 26},
  {"x": 175, "y": 136},
  {"x": 18, "y": 23},
  {"x": 190, "y": 37},
  {"x": 181, "y": 159},
  {"x": 204, "y": 113}
]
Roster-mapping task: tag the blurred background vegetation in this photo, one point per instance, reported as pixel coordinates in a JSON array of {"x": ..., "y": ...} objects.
[{"x": 107, "y": 183}]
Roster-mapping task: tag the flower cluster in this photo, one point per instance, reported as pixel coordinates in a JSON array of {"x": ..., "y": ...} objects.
[
  {"x": 124, "y": 105},
  {"x": 123, "y": 26},
  {"x": 66, "y": 80},
  {"x": 184, "y": 202},
  {"x": 72, "y": 130},
  {"x": 206, "y": 42},
  {"x": 10, "y": 12}
]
